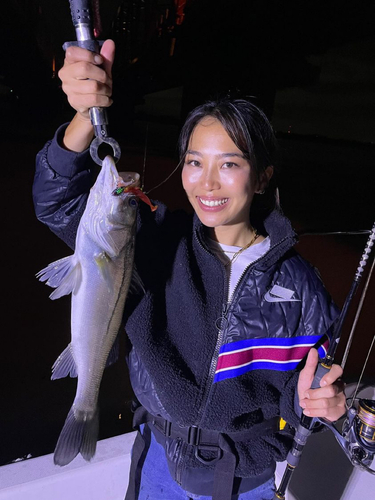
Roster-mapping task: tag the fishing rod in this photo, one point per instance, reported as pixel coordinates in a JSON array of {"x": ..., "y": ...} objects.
[
  {"x": 358, "y": 433},
  {"x": 84, "y": 14}
]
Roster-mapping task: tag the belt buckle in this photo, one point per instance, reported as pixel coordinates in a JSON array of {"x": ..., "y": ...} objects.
[{"x": 217, "y": 449}]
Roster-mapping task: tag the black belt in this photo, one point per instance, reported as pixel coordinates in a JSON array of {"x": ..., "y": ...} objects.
[{"x": 202, "y": 439}]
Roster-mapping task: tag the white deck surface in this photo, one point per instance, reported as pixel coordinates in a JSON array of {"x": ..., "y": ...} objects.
[
  {"x": 104, "y": 478},
  {"x": 323, "y": 474}
]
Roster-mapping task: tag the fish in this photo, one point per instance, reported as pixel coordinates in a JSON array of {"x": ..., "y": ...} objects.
[{"x": 98, "y": 275}]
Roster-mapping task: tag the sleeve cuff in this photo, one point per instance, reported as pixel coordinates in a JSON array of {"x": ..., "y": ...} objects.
[{"x": 66, "y": 163}]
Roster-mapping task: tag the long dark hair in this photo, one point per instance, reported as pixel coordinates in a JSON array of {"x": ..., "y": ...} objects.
[{"x": 252, "y": 133}]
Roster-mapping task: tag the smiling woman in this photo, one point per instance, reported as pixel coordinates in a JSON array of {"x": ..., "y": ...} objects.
[
  {"x": 238, "y": 136},
  {"x": 215, "y": 354},
  {"x": 220, "y": 183}
]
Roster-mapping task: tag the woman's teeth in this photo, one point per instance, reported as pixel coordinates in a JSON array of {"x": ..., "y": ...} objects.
[{"x": 213, "y": 203}]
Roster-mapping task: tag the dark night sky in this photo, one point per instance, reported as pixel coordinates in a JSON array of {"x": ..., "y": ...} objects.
[{"x": 317, "y": 58}]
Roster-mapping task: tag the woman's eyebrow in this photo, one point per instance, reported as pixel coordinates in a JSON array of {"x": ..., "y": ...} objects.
[
  {"x": 192, "y": 152},
  {"x": 220, "y": 155}
]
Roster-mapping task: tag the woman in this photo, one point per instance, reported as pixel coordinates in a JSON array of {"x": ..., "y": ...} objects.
[{"x": 215, "y": 338}]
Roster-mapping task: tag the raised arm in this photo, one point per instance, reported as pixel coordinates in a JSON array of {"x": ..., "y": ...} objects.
[{"x": 63, "y": 167}]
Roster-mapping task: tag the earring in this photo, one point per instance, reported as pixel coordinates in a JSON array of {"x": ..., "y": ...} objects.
[{"x": 261, "y": 192}]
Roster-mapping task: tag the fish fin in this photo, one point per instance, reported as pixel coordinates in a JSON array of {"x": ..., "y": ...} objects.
[
  {"x": 79, "y": 435},
  {"x": 63, "y": 274},
  {"x": 114, "y": 352},
  {"x": 90, "y": 437},
  {"x": 70, "y": 283},
  {"x": 136, "y": 284},
  {"x": 64, "y": 365},
  {"x": 101, "y": 261}
]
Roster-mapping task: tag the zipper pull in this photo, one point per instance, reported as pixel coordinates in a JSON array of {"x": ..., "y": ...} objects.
[{"x": 220, "y": 322}]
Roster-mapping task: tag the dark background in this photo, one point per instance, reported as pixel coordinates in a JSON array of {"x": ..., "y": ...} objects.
[{"x": 309, "y": 66}]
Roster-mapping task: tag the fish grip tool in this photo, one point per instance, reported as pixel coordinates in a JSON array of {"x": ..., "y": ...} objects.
[{"x": 83, "y": 22}]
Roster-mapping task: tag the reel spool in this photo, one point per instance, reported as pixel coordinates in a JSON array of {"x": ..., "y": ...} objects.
[{"x": 365, "y": 422}]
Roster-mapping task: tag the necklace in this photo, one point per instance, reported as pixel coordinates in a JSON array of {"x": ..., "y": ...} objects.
[{"x": 236, "y": 254}]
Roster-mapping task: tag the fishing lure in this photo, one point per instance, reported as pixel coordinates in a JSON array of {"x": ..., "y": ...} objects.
[{"x": 137, "y": 192}]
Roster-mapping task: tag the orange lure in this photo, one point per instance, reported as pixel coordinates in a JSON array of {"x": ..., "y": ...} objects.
[{"x": 137, "y": 192}]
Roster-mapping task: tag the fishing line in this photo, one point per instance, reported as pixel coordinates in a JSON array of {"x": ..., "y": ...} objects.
[
  {"x": 144, "y": 158},
  {"x": 167, "y": 178},
  {"x": 359, "y": 309},
  {"x": 329, "y": 233},
  {"x": 363, "y": 371}
]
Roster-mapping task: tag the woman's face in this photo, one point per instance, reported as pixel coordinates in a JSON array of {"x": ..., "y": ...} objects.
[{"x": 217, "y": 178}]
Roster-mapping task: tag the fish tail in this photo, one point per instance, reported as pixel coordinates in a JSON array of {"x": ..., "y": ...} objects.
[{"x": 79, "y": 435}]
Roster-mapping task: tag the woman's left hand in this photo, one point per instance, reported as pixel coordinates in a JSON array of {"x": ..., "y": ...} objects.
[{"x": 329, "y": 400}]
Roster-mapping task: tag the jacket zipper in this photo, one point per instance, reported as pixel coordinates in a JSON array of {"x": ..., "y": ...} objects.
[
  {"x": 212, "y": 370},
  {"x": 220, "y": 336}
]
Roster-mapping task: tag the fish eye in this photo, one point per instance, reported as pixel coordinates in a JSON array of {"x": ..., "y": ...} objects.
[{"x": 133, "y": 202}]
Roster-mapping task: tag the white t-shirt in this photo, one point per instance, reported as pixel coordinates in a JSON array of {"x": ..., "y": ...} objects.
[{"x": 234, "y": 270}]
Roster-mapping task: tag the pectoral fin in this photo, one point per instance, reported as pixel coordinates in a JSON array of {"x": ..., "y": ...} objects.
[
  {"x": 136, "y": 285},
  {"x": 102, "y": 261},
  {"x": 63, "y": 274}
]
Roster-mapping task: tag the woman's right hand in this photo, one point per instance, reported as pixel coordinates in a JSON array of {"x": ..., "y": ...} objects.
[
  {"x": 87, "y": 81},
  {"x": 87, "y": 78}
]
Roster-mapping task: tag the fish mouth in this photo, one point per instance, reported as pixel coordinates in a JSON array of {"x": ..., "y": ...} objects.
[
  {"x": 130, "y": 178},
  {"x": 125, "y": 181},
  {"x": 129, "y": 183}
]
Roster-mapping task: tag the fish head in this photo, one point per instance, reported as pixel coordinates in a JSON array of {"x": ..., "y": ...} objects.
[
  {"x": 113, "y": 204},
  {"x": 123, "y": 204},
  {"x": 123, "y": 210},
  {"x": 110, "y": 215}
]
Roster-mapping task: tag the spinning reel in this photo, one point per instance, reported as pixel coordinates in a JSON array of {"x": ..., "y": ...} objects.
[{"x": 357, "y": 438}]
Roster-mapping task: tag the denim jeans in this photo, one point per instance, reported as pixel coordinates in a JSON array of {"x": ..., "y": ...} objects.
[{"x": 157, "y": 483}]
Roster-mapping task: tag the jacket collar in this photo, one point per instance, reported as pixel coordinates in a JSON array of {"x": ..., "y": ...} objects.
[{"x": 277, "y": 227}]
